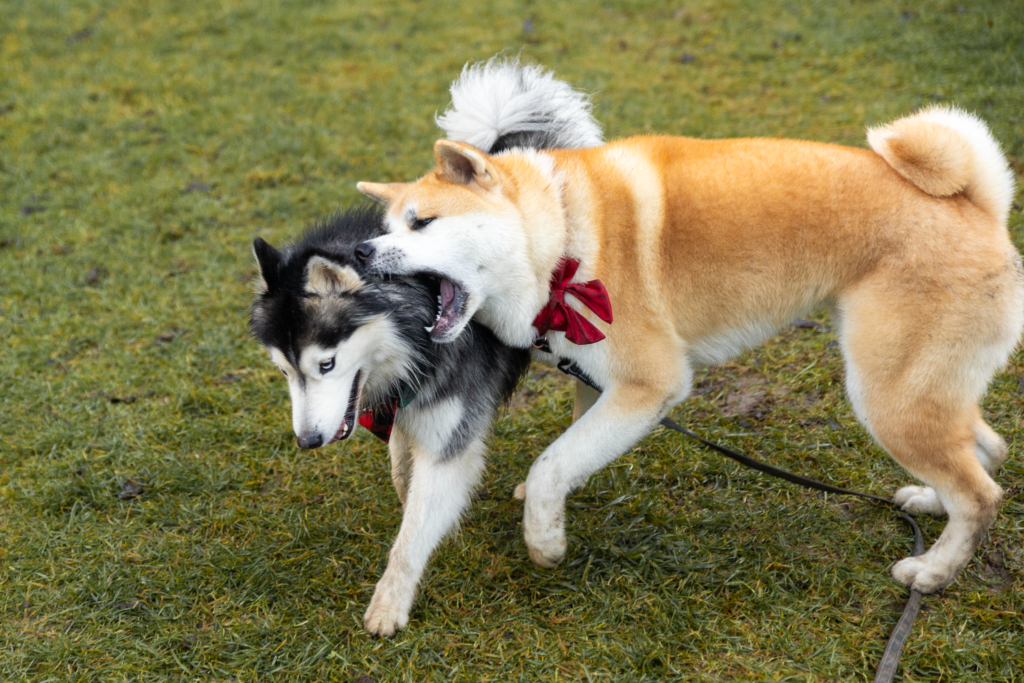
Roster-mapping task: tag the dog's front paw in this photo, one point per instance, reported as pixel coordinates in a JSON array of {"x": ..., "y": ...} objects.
[
  {"x": 549, "y": 555},
  {"x": 922, "y": 575},
  {"x": 520, "y": 492},
  {"x": 388, "y": 612},
  {"x": 920, "y": 500},
  {"x": 545, "y": 538}
]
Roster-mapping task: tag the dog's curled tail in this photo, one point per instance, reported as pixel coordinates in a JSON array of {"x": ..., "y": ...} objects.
[
  {"x": 944, "y": 150},
  {"x": 500, "y": 104}
]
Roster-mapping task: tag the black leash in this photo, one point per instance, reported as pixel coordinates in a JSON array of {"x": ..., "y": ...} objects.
[{"x": 887, "y": 667}]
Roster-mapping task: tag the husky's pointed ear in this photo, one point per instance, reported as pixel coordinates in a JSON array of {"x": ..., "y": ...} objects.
[
  {"x": 463, "y": 163},
  {"x": 384, "y": 193},
  {"x": 269, "y": 261},
  {"x": 327, "y": 278}
]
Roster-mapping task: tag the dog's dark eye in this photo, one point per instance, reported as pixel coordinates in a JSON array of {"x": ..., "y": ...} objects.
[
  {"x": 283, "y": 372},
  {"x": 420, "y": 223},
  {"x": 326, "y": 366}
]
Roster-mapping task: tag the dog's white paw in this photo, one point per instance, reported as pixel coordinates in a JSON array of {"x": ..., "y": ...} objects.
[
  {"x": 520, "y": 492},
  {"x": 920, "y": 500},
  {"x": 922, "y": 575},
  {"x": 548, "y": 555},
  {"x": 545, "y": 541},
  {"x": 388, "y": 612}
]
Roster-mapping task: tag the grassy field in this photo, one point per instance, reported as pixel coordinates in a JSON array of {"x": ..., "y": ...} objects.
[{"x": 157, "y": 520}]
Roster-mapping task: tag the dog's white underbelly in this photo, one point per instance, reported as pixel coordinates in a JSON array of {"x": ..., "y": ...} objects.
[
  {"x": 712, "y": 349},
  {"x": 720, "y": 347}
]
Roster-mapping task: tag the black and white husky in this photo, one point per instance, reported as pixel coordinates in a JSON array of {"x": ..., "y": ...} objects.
[{"x": 357, "y": 348}]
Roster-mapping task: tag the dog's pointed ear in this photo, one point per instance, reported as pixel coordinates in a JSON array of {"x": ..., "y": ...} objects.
[
  {"x": 269, "y": 261},
  {"x": 327, "y": 278},
  {"x": 383, "y": 193},
  {"x": 462, "y": 164}
]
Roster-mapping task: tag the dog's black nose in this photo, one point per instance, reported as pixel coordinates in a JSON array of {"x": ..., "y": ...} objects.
[
  {"x": 365, "y": 251},
  {"x": 311, "y": 441}
]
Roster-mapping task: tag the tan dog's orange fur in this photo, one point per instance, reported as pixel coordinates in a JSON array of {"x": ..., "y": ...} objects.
[{"x": 708, "y": 247}]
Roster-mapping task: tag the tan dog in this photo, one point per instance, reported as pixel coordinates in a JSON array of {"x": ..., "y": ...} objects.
[{"x": 708, "y": 248}]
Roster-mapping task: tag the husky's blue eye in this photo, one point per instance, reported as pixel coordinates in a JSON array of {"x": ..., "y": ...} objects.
[
  {"x": 420, "y": 223},
  {"x": 326, "y": 366}
]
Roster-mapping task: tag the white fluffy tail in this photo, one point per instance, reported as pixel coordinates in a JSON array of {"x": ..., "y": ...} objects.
[
  {"x": 500, "y": 104},
  {"x": 944, "y": 150}
]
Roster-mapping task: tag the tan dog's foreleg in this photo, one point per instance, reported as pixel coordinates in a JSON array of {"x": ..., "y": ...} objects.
[
  {"x": 586, "y": 397},
  {"x": 620, "y": 417},
  {"x": 438, "y": 492}
]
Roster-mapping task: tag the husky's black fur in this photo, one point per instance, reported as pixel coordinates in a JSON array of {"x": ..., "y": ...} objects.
[{"x": 477, "y": 368}]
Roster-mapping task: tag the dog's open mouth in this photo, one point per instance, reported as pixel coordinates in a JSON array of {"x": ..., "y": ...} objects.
[
  {"x": 451, "y": 305},
  {"x": 348, "y": 424}
]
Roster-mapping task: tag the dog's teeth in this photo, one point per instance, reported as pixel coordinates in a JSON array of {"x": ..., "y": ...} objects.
[{"x": 440, "y": 310}]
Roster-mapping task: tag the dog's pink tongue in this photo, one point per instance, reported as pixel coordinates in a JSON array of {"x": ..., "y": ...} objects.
[{"x": 447, "y": 293}]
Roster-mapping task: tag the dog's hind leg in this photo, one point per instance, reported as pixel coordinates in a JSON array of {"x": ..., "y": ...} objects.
[
  {"x": 944, "y": 459},
  {"x": 439, "y": 490},
  {"x": 989, "y": 448},
  {"x": 917, "y": 363},
  {"x": 938, "y": 448}
]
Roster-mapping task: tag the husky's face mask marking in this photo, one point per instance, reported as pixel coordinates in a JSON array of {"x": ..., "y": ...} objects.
[
  {"x": 329, "y": 332},
  {"x": 325, "y": 381},
  {"x": 325, "y": 386}
]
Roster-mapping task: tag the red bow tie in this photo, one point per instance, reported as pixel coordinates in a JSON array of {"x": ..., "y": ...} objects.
[{"x": 557, "y": 316}]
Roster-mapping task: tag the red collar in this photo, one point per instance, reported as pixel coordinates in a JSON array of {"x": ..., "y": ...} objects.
[{"x": 557, "y": 316}]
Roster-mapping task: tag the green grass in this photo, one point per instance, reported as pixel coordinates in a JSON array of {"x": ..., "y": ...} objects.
[{"x": 143, "y": 145}]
